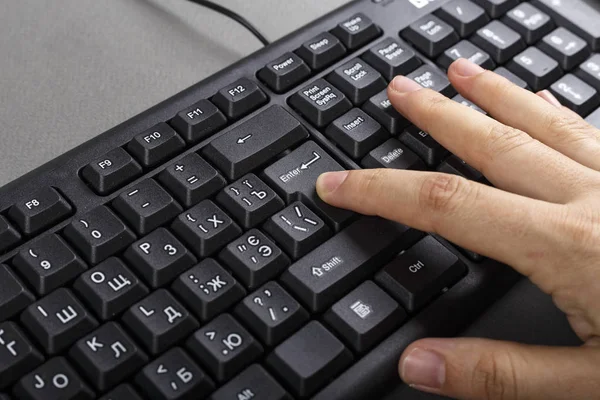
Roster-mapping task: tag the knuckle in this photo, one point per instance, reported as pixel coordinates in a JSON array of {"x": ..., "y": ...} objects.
[
  {"x": 426, "y": 104},
  {"x": 580, "y": 227},
  {"x": 566, "y": 128},
  {"x": 369, "y": 184},
  {"x": 501, "y": 140},
  {"x": 494, "y": 376},
  {"x": 442, "y": 193}
]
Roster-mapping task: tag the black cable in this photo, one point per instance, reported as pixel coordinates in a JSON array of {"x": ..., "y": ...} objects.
[{"x": 236, "y": 17}]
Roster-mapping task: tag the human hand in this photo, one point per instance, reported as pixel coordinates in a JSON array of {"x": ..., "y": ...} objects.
[{"x": 542, "y": 218}]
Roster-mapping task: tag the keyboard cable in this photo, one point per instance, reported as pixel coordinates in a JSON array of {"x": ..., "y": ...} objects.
[{"x": 235, "y": 16}]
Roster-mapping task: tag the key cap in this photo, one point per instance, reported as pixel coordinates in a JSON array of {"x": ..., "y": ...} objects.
[
  {"x": 464, "y": 16},
  {"x": 249, "y": 200},
  {"x": 240, "y": 98},
  {"x": 159, "y": 257},
  {"x": 253, "y": 382},
  {"x": 365, "y": 316},
  {"x": 529, "y": 22},
  {"x": 575, "y": 94},
  {"x": 511, "y": 77},
  {"x": 109, "y": 288},
  {"x": 57, "y": 320},
  {"x": 566, "y": 48},
  {"x": 155, "y": 145},
  {"x": 224, "y": 347},
  {"x": 48, "y": 263},
  {"x": 254, "y": 258},
  {"x": 111, "y": 171},
  {"x": 380, "y": 108},
  {"x": 321, "y": 51},
  {"x": 271, "y": 313},
  {"x": 459, "y": 99},
  {"x": 456, "y": 166},
  {"x": 419, "y": 274},
  {"x": 294, "y": 177},
  {"x": 356, "y": 31},
  {"x": 536, "y": 68},
  {"x": 208, "y": 289},
  {"x": 205, "y": 228},
  {"x": 198, "y": 121},
  {"x": 107, "y": 356},
  {"x": 468, "y": 50},
  {"x": 8, "y": 235},
  {"x": 499, "y": 41},
  {"x": 40, "y": 211},
  {"x": 17, "y": 355},
  {"x": 159, "y": 321},
  {"x": 356, "y": 133},
  {"x": 594, "y": 118},
  {"x": 309, "y": 359},
  {"x": 98, "y": 234},
  {"x": 320, "y": 102},
  {"x": 392, "y": 154},
  {"x": 432, "y": 78},
  {"x": 55, "y": 380},
  {"x": 336, "y": 266},
  {"x": 357, "y": 80},
  {"x": 146, "y": 206},
  {"x": 431, "y": 35},
  {"x": 255, "y": 142},
  {"x": 174, "y": 376},
  {"x": 496, "y": 8},
  {"x": 14, "y": 296},
  {"x": 589, "y": 71},
  {"x": 122, "y": 392},
  {"x": 284, "y": 72},
  {"x": 423, "y": 145},
  {"x": 392, "y": 57}
]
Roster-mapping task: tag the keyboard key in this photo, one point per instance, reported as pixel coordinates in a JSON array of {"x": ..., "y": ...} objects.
[
  {"x": 459, "y": 99},
  {"x": 174, "y": 376},
  {"x": 320, "y": 278},
  {"x": 224, "y": 347},
  {"x": 240, "y": 98},
  {"x": 208, "y": 289},
  {"x": 497, "y": 8},
  {"x": 107, "y": 356},
  {"x": 250, "y": 200},
  {"x": 111, "y": 171},
  {"x": 320, "y": 102},
  {"x": 122, "y": 392},
  {"x": 155, "y": 145},
  {"x": 99, "y": 234},
  {"x": 198, "y": 121},
  {"x": 465, "y": 49},
  {"x": 205, "y": 228},
  {"x": 464, "y": 16},
  {"x": 271, "y": 313},
  {"x": 392, "y": 57},
  {"x": 589, "y": 71},
  {"x": 357, "y": 80},
  {"x": 499, "y": 41},
  {"x": 253, "y": 382},
  {"x": 392, "y": 154},
  {"x": 594, "y": 118},
  {"x": 294, "y": 177},
  {"x": 511, "y": 77},
  {"x": 14, "y": 296},
  {"x": 432, "y": 78},
  {"x": 297, "y": 229},
  {"x": 566, "y": 48},
  {"x": 421, "y": 273},
  {"x": 255, "y": 142},
  {"x": 254, "y": 258},
  {"x": 380, "y": 108},
  {"x": 17, "y": 355},
  {"x": 529, "y": 22},
  {"x": 40, "y": 211},
  {"x": 365, "y": 316},
  {"x": 321, "y": 51},
  {"x": 356, "y": 31},
  {"x": 57, "y": 320},
  {"x": 423, "y": 145},
  {"x": 536, "y": 68},
  {"x": 109, "y": 288},
  {"x": 356, "y": 133},
  {"x": 55, "y": 380},
  {"x": 284, "y": 72},
  {"x": 431, "y": 35},
  {"x": 575, "y": 94},
  {"x": 456, "y": 166},
  {"x": 8, "y": 235},
  {"x": 159, "y": 257},
  {"x": 159, "y": 321},
  {"x": 309, "y": 359}
]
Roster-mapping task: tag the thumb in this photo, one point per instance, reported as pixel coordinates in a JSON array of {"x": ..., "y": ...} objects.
[{"x": 467, "y": 368}]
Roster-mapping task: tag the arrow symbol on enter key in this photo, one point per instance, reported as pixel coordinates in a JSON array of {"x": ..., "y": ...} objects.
[
  {"x": 316, "y": 158},
  {"x": 242, "y": 140}
]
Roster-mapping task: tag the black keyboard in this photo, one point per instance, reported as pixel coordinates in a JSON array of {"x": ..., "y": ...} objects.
[{"x": 184, "y": 254}]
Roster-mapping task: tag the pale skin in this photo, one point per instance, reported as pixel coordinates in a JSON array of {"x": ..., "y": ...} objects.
[{"x": 542, "y": 217}]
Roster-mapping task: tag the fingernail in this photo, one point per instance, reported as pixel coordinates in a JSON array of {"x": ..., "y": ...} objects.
[
  {"x": 549, "y": 97},
  {"x": 403, "y": 84},
  {"x": 424, "y": 368},
  {"x": 466, "y": 68},
  {"x": 330, "y": 181}
]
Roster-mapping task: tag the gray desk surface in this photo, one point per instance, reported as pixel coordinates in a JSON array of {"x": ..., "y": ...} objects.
[{"x": 71, "y": 69}]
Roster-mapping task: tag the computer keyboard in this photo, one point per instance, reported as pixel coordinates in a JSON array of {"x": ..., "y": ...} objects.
[{"x": 185, "y": 254}]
